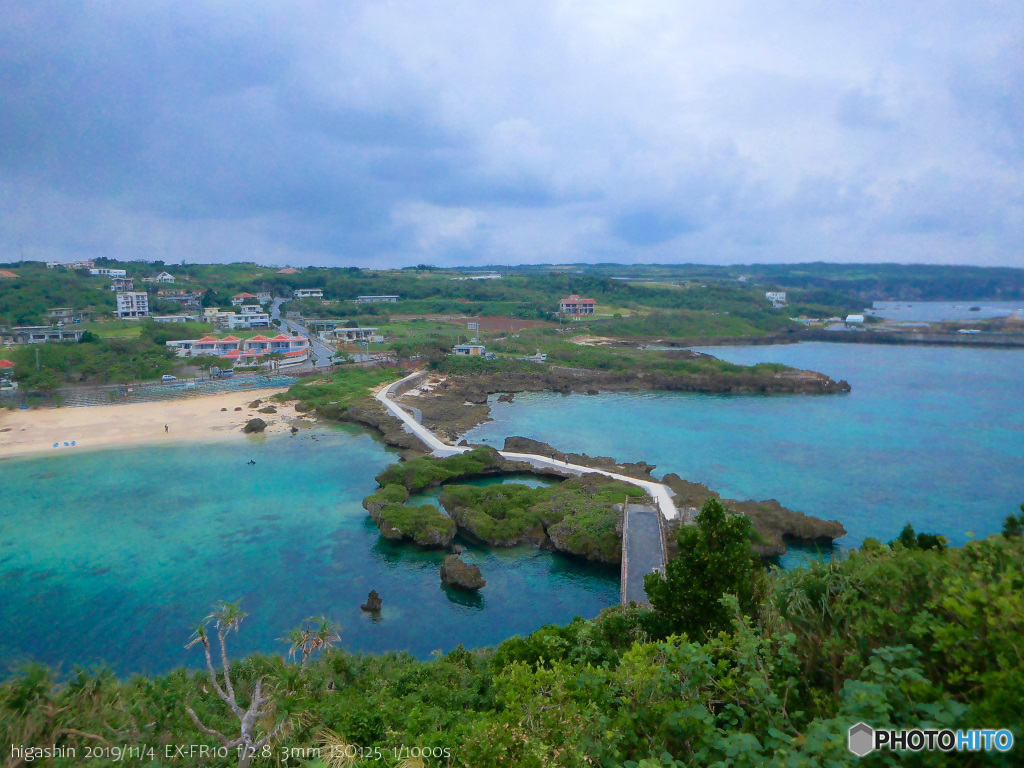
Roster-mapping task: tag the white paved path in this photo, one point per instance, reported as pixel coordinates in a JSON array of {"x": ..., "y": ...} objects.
[{"x": 661, "y": 493}]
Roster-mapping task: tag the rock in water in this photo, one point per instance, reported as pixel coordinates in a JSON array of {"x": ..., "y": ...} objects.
[
  {"x": 254, "y": 425},
  {"x": 457, "y": 573},
  {"x": 373, "y": 602}
]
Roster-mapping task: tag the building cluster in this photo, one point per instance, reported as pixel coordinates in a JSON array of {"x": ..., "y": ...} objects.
[
  {"x": 253, "y": 351},
  {"x": 777, "y": 298}
]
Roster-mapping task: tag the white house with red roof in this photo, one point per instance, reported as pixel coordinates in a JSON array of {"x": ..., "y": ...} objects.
[
  {"x": 253, "y": 351},
  {"x": 574, "y": 305}
]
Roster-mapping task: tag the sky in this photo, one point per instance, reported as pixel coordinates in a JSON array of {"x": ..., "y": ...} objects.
[{"x": 394, "y": 132}]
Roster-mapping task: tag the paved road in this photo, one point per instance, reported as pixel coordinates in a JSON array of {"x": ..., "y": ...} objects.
[
  {"x": 642, "y": 551},
  {"x": 320, "y": 351},
  {"x": 661, "y": 494}
]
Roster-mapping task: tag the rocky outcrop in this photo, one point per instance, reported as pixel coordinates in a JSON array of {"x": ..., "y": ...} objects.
[
  {"x": 424, "y": 525},
  {"x": 370, "y": 413},
  {"x": 639, "y": 469},
  {"x": 373, "y": 602},
  {"x": 457, "y": 573},
  {"x": 773, "y": 523},
  {"x": 254, "y": 426},
  {"x": 391, "y": 494},
  {"x": 470, "y": 522},
  {"x": 564, "y": 538}
]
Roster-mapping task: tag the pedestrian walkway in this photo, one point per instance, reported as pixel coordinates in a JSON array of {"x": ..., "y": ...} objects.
[
  {"x": 643, "y": 547},
  {"x": 643, "y": 550}
]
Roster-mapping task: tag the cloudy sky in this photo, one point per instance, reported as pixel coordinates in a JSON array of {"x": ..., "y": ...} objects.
[{"x": 395, "y": 132}]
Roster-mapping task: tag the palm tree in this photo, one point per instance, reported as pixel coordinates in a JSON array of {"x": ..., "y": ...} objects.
[
  {"x": 227, "y": 617},
  {"x": 318, "y": 633}
]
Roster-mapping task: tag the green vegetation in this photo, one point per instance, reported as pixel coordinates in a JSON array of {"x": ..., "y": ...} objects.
[
  {"x": 715, "y": 560},
  {"x": 332, "y": 395},
  {"x": 576, "y": 514},
  {"x": 427, "y": 471},
  {"x": 888, "y": 635},
  {"x": 425, "y": 524},
  {"x": 389, "y": 494},
  {"x": 96, "y": 359}
]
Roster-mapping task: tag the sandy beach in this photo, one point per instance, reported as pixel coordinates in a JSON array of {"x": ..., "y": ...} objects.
[{"x": 211, "y": 417}]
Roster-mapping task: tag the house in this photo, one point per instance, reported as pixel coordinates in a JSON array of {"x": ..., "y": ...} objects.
[
  {"x": 6, "y": 275},
  {"x": 352, "y": 334},
  {"x": 574, "y": 305},
  {"x": 170, "y": 318},
  {"x": 65, "y": 315},
  {"x": 376, "y": 299},
  {"x": 489, "y": 276},
  {"x": 123, "y": 284},
  {"x": 309, "y": 293},
  {"x": 855, "y": 319},
  {"x": 470, "y": 350},
  {"x": 132, "y": 304},
  {"x": 42, "y": 334},
  {"x": 159, "y": 277},
  {"x": 777, "y": 298},
  {"x": 185, "y": 298},
  {"x": 54, "y": 264},
  {"x": 244, "y": 298},
  {"x": 104, "y": 272},
  {"x": 82, "y": 265},
  {"x": 252, "y": 316},
  {"x": 288, "y": 271},
  {"x": 293, "y": 349}
]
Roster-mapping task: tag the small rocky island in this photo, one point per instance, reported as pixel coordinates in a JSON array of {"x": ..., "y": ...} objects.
[{"x": 455, "y": 572}]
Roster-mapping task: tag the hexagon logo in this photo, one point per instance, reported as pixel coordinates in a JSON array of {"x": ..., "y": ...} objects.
[{"x": 861, "y": 740}]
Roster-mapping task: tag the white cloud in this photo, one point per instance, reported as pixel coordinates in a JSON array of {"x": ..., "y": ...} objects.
[{"x": 454, "y": 131}]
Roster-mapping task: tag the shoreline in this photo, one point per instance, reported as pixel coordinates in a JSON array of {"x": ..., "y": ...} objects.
[{"x": 194, "y": 419}]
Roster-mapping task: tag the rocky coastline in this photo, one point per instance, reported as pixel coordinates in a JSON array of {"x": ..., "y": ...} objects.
[{"x": 454, "y": 404}]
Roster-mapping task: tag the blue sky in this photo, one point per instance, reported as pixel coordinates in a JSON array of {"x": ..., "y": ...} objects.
[{"x": 395, "y": 132}]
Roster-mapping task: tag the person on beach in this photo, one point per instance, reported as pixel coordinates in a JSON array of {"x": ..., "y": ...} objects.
[{"x": 166, "y": 429}]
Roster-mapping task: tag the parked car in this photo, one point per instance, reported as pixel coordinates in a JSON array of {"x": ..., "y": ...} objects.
[
  {"x": 167, "y": 377},
  {"x": 225, "y": 373}
]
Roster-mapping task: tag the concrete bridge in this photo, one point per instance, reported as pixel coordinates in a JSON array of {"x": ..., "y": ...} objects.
[{"x": 643, "y": 547}]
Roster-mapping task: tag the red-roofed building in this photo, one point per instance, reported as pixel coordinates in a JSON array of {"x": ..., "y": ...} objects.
[
  {"x": 574, "y": 305},
  {"x": 6, "y": 364},
  {"x": 249, "y": 351}
]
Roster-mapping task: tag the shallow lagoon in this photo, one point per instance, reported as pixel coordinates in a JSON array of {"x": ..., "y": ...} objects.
[
  {"x": 929, "y": 435},
  {"x": 116, "y": 555}
]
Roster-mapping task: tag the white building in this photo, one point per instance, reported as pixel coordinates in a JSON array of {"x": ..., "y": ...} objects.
[
  {"x": 352, "y": 334},
  {"x": 309, "y": 293},
  {"x": 777, "y": 298},
  {"x": 132, "y": 304},
  {"x": 159, "y": 277},
  {"x": 470, "y": 350},
  {"x": 376, "y": 299},
  {"x": 248, "y": 320},
  {"x": 104, "y": 272},
  {"x": 855, "y": 319}
]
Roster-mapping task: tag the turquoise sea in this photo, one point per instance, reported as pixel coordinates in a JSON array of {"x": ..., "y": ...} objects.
[
  {"x": 933, "y": 436},
  {"x": 116, "y": 555}
]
